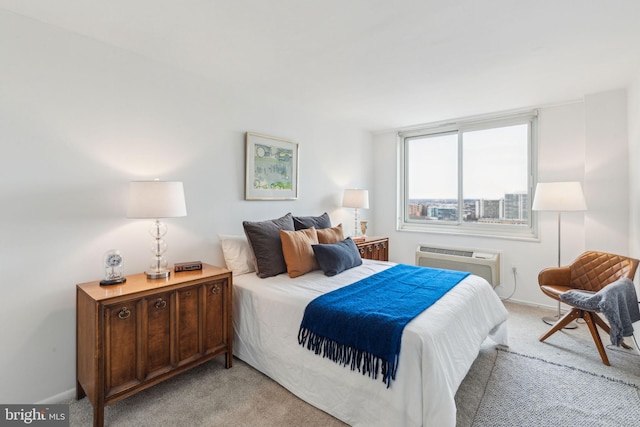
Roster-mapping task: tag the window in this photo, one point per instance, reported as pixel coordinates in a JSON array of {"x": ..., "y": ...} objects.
[{"x": 472, "y": 177}]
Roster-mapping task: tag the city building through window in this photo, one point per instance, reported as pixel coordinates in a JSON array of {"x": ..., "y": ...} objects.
[{"x": 471, "y": 176}]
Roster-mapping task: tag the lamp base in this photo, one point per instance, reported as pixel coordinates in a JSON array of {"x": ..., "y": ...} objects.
[
  {"x": 158, "y": 274},
  {"x": 554, "y": 319},
  {"x": 107, "y": 282}
]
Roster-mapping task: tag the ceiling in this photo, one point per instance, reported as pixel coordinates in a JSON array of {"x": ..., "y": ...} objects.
[{"x": 376, "y": 64}]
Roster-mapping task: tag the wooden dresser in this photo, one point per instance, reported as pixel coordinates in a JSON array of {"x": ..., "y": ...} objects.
[
  {"x": 374, "y": 248},
  {"x": 132, "y": 336}
]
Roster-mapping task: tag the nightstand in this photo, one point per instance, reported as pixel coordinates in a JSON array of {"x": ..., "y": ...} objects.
[
  {"x": 374, "y": 248},
  {"x": 135, "y": 335}
]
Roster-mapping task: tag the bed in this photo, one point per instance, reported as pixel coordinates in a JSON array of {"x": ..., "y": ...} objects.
[{"x": 438, "y": 347}]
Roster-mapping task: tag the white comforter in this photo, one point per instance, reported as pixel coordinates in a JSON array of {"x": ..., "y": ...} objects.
[{"x": 438, "y": 348}]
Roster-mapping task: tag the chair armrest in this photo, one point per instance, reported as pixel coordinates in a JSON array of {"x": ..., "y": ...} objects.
[{"x": 555, "y": 276}]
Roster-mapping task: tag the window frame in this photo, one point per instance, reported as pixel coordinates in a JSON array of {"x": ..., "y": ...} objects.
[{"x": 530, "y": 231}]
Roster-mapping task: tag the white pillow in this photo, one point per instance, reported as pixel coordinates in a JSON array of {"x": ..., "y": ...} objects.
[{"x": 237, "y": 254}]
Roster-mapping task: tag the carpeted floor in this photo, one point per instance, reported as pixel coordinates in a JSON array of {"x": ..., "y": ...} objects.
[
  {"x": 572, "y": 348},
  {"x": 542, "y": 393},
  {"x": 213, "y": 396}
]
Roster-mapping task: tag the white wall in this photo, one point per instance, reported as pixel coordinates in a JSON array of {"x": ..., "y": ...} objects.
[
  {"x": 78, "y": 121},
  {"x": 607, "y": 172},
  {"x": 633, "y": 115},
  {"x": 569, "y": 149}
]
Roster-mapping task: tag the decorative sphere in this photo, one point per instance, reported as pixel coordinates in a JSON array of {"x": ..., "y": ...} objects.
[
  {"x": 158, "y": 229},
  {"x": 158, "y": 247},
  {"x": 161, "y": 263}
]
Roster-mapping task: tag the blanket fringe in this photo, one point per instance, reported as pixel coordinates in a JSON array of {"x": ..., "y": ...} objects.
[{"x": 362, "y": 361}]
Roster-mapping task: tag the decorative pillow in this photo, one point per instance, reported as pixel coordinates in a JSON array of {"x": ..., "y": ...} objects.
[
  {"x": 237, "y": 254},
  {"x": 265, "y": 244},
  {"x": 335, "y": 258},
  {"x": 331, "y": 235},
  {"x": 298, "y": 254},
  {"x": 302, "y": 222}
]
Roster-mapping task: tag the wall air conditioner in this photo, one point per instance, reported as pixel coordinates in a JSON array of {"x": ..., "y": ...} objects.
[{"x": 481, "y": 263}]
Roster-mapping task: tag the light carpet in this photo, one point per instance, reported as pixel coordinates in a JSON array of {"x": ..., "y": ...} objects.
[
  {"x": 209, "y": 396},
  {"x": 523, "y": 390}
]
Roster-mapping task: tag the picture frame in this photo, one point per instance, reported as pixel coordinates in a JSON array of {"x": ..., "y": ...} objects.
[{"x": 271, "y": 168}]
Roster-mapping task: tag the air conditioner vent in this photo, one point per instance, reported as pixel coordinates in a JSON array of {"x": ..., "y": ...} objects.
[
  {"x": 485, "y": 264},
  {"x": 444, "y": 251}
]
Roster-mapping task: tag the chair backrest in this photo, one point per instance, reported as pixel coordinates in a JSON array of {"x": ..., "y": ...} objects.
[{"x": 594, "y": 270}]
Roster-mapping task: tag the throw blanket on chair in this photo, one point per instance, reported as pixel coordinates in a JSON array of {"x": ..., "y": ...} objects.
[
  {"x": 617, "y": 301},
  {"x": 361, "y": 324}
]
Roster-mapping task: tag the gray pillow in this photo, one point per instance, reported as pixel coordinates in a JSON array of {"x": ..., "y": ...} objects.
[
  {"x": 334, "y": 258},
  {"x": 302, "y": 222},
  {"x": 266, "y": 246}
]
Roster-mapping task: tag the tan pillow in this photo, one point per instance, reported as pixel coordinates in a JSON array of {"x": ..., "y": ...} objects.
[
  {"x": 297, "y": 250},
  {"x": 330, "y": 235}
]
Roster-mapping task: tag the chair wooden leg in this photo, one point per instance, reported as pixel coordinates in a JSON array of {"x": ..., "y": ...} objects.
[
  {"x": 601, "y": 323},
  {"x": 560, "y": 324},
  {"x": 591, "y": 320}
]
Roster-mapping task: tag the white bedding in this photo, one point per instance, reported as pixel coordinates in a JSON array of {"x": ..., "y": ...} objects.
[{"x": 438, "y": 348}]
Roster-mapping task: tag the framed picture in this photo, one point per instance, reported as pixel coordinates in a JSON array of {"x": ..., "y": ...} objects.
[{"x": 271, "y": 168}]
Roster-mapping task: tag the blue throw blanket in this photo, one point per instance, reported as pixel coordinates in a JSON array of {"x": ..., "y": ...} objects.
[{"x": 361, "y": 324}]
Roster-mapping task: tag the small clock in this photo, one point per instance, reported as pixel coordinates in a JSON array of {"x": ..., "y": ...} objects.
[{"x": 113, "y": 268}]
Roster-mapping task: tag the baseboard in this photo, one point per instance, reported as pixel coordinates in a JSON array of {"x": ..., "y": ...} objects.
[
  {"x": 531, "y": 304},
  {"x": 59, "y": 398}
]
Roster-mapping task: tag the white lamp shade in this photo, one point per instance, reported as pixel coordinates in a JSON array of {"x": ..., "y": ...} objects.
[
  {"x": 559, "y": 197},
  {"x": 156, "y": 199},
  {"x": 356, "y": 199}
]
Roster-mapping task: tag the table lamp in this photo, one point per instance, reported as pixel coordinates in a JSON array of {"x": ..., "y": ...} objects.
[
  {"x": 156, "y": 200},
  {"x": 357, "y": 199}
]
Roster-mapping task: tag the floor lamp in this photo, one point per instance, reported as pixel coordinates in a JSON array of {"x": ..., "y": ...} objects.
[{"x": 559, "y": 197}]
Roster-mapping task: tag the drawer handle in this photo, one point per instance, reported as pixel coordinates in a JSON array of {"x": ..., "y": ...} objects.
[
  {"x": 370, "y": 248},
  {"x": 160, "y": 304},
  {"x": 361, "y": 250},
  {"x": 215, "y": 289},
  {"x": 124, "y": 313}
]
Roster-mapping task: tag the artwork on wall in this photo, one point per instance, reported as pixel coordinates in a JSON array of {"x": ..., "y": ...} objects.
[{"x": 271, "y": 168}]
